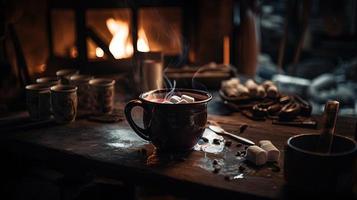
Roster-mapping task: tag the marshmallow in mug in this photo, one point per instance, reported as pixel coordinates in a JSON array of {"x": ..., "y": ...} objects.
[
  {"x": 175, "y": 99},
  {"x": 188, "y": 98},
  {"x": 181, "y": 100}
]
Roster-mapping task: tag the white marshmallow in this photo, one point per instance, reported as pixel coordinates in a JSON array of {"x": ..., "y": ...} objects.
[
  {"x": 266, "y": 84},
  {"x": 273, "y": 153},
  {"x": 261, "y": 142},
  {"x": 242, "y": 90},
  {"x": 175, "y": 99},
  {"x": 188, "y": 98},
  {"x": 182, "y": 101},
  {"x": 231, "y": 92},
  {"x": 261, "y": 91},
  {"x": 234, "y": 81},
  {"x": 256, "y": 155},
  {"x": 228, "y": 84},
  {"x": 252, "y": 87},
  {"x": 272, "y": 91}
]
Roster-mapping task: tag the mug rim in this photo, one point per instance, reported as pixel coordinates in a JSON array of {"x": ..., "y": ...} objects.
[
  {"x": 47, "y": 79},
  {"x": 66, "y": 72},
  {"x": 289, "y": 143},
  {"x": 102, "y": 82},
  {"x": 63, "y": 88},
  {"x": 209, "y": 96},
  {"x": 38, "y": 87},
  {"x": 80, "y": 77}
]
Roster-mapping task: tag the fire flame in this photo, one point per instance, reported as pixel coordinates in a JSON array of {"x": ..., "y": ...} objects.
[
  {"x": 142, "y": 44},
  {"x": 121, "y": 45},
  {"x": 99, "y": 52}
]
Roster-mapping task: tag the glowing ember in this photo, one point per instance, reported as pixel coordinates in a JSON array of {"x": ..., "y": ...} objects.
[
  {"x": 99, "y": 52},
  {"x": 121, "y": 45}
]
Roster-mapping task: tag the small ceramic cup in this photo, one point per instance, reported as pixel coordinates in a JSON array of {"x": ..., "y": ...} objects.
[
  {"x": 64, "y": 103},
  {"x": 64, "y": 75},
  {"x": 38, "y": 101},
  {"x": 48, "y": 80},
  {"x": 83, "y": 92},
  {"x": 102, "y": 95}
]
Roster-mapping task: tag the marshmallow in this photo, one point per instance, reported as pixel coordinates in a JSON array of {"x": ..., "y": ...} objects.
[
  {"x": 231, "y": 92},
  {"x": 242, "y": 90},
  {"x": 273, "y": 153},
  {"x": 272, "y": 91},
  {"x": 188, "y": 98},
  {"x": 261, "y": 91},
  {"x": 261, "y": 142},
  {"x": 252, "y": 87},
  {"x": 256, "y": 155},
  {"x": 267, "y": 84},
  {"x": 234, "y": 81},
  {"x": 182, "y": 101},
  {"x": 231, "y": 83},
  {"x": 175, "y": 99},
  {"x": 224, "y": 85}
]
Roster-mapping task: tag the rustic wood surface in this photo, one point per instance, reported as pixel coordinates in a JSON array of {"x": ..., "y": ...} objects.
[{"x": 113, "y": 150}]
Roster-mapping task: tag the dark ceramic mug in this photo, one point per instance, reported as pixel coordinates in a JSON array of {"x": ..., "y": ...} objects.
[
  {"x": 310, "y": 172},
  {"x": 171, "y": 127}
]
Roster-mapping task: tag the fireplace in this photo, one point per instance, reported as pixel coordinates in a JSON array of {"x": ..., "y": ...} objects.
[{"x": 110, "y": 34}]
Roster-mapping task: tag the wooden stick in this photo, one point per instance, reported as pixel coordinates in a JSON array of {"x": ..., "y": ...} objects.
[
  {"x": 98, "y": 41},
  {"x": 329, "y": 124},
  {"x": 306, "y": 12}
]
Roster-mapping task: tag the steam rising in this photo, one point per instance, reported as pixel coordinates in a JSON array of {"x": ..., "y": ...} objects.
[
  {"x": 196, "y": 84},
  {"x": 172, "y": 87}
]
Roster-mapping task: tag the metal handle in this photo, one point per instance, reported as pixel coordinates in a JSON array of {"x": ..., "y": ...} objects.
[{"x": 128, "y": 108}]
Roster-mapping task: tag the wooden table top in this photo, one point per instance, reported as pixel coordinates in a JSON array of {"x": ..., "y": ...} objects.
[{"x": 115, "y": 151}]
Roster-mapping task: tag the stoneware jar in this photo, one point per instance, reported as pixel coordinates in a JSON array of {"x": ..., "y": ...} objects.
[
  {"x": 102, "y": 92},
  {"x": 38, "y": 101},
  {"x": 64, "y": 103}
]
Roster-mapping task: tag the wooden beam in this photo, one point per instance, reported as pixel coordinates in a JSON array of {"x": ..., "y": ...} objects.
[{"x": 98, "y": 41}]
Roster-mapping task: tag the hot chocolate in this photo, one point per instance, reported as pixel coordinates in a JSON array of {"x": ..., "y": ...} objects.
[{"x": 171, "y": 126}]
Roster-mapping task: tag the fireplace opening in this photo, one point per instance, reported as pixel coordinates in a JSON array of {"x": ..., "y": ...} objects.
[{"x": 113, "y": 34}]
